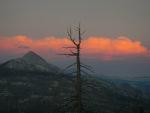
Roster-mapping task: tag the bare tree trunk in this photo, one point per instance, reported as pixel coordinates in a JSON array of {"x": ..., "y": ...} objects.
[
  {"x": 78, "y": 84},
  {"x": 77, "y": 101}
]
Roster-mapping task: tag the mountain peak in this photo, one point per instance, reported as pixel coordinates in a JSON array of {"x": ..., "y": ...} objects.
[
  {"x": 31, "y": 54},
  {"x": 30, "y": 62},
  {"x": 34, "y": 58}
]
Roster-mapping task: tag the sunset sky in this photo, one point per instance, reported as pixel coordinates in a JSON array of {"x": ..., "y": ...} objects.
[{"x": 117, "y": 31}]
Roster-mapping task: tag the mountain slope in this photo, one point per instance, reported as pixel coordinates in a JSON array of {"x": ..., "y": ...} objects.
[
  {"x": 24, "y": 87},
  {"x": 36, "y": 92},
  {"x": 30, "y": 62}
]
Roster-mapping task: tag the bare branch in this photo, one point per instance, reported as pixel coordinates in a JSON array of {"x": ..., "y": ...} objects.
[
  {"x": 87, "y": 68},
  {"x": 67, "y": 54},
  {"x": 83, "y": 32},
  {"x": 69, "y": 33},
  {"x": 70, "y": 47},
  {"x": 85, "y": 73},
  {"x": 78, "y": 29},
  {"x": 70, "y": 65},
  {"x": 87, "y": 65},
  {"x": 79, "y": 34},
  {"x": 73, "y": 52},
  {"x": 67, "y": 68}
]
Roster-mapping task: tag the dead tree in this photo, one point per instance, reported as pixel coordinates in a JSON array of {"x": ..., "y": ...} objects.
[{"x": 75, "y": 52}]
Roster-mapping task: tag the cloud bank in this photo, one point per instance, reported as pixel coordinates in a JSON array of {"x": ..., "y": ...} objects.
[{"x": 103, "y": 48}]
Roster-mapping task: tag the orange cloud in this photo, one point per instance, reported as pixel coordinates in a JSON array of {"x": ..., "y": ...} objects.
[
  {"x": 99, "y": 47},
  {"x": 108, "y": 48}
]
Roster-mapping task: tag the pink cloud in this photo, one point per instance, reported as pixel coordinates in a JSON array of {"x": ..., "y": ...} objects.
[{"x": 98, "y": 47}]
